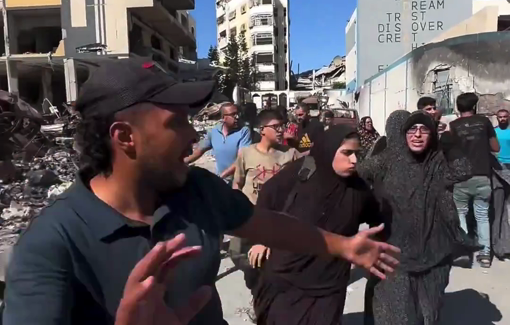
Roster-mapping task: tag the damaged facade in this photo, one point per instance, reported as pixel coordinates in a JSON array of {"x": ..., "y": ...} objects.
[
  {"x": 48, "y": 49},
  {"x": 50, "y": 45},
  {"x": 470, "y": 57}
]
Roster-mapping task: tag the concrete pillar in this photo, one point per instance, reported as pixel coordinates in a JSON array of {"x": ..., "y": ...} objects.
[
  {"x": 71, "y": 82},
  {"x": 12, "y": 77},
  {"x": 146, "y": 34},
  {"x": 47, "y": 90}
]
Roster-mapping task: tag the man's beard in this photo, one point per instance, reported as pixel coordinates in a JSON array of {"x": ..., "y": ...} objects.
[{"x": 503, "y": 125}]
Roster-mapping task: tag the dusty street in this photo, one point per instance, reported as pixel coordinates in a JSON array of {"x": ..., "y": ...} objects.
[{"x": 474, "y": 296}]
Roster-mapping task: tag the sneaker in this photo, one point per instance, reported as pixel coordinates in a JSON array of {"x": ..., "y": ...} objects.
[{"x": 484, "y": 260}]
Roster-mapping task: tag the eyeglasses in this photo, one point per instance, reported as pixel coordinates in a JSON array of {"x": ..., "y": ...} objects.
[
  {"x": 234, "y": 115},
  {"x": 414, "y": 129},
  {"x": 276, "y": 127}
]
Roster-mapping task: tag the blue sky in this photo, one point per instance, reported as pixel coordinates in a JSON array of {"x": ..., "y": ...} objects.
[{"x": 317, "y": 30}]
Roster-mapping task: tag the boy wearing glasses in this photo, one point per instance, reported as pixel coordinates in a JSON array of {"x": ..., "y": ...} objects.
[
  {"x": 256, "y": 164},
  {"x": 259, "y": 162}
]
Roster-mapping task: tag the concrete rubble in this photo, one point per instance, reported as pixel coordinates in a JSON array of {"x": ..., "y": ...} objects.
[
  {"x": 29, "y": 186},
  {"x": 36, "y": 184}
]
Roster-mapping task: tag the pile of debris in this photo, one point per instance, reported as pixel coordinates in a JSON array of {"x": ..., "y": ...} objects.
[{"x": 34, "y": 186}]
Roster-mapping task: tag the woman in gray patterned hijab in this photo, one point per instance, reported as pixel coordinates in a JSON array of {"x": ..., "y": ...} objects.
[{"x": 411, "y": 177}]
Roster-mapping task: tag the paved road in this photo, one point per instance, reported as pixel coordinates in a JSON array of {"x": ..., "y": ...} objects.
[{"x": 474, "y": 297}]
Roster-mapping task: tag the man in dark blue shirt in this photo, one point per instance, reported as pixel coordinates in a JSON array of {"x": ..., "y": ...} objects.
[{"x": 134, "y": 190}]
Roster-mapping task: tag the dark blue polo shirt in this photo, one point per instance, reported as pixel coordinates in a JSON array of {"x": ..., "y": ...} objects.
[{"x": 71, "y": 264}]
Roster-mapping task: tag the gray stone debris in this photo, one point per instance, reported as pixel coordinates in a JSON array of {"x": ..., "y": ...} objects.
[{"x": 38, "y": 183}]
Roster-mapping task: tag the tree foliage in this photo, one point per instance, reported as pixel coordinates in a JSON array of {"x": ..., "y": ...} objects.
[
  {"x": 213, "y": 55},
  {"x": 240, "y": 65}
]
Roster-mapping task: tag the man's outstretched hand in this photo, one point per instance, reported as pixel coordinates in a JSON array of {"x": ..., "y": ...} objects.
[
  {"x": 370, "y": 254},
  {"x": 143, "y": 304}
]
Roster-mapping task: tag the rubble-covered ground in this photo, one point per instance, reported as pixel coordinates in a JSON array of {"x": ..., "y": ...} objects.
[{"x": 34, "y": 186}]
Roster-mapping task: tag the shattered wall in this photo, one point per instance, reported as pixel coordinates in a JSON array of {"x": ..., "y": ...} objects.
[{"x": 472, "y": 63}]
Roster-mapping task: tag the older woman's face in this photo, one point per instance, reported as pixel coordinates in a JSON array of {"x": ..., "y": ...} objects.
[
  {"x": 418, "y": 138},
  {"x": 344, "y": 163},
  {"x": 368, "y": 124}
]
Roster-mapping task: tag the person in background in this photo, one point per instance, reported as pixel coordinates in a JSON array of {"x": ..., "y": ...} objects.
[
  {"x": 249, "y": 116},
  {"x": 225, "y": 139},
  {"x": 255, "y": 165},
  {"x": 429, "y": 105},
  {"x": 368, "y": 134},
  {"x": 476, "y": 137},
  {"x": 503, "y": 135},
  {"x": 302, "y": 289},
  {"x": 327, "y": 118},
  {"x": 291, "y": 128},
  {"x": 307, "y": 129},
  {"x": 259, "y": 162}
]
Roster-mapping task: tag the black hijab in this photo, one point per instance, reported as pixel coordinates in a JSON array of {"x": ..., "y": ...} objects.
[
  {"x": 326, "y": 200},
  {"x": 323, "y": 153}
]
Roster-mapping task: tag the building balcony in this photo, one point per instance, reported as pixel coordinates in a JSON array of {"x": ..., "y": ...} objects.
[
  {"x": 261, "y": 7},
  {"x": 179, "y": 4},
  {"x": 222, "y": 43},
  {"x": 262, "y": 48},
  {"x": 25, "y": 4},
  {"x": 265, "y": 67},
  {"x": 266, "y": 85},
  {"x": 171, "y": 24}
]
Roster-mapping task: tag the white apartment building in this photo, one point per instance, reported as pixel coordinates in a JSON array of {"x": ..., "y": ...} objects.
[{"x": 266, "y": 26}]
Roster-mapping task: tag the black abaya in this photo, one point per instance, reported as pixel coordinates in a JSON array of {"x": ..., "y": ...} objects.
[{"x": 297, "y": 289}]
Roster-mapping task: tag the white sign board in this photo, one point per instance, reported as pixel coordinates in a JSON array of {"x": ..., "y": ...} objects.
[{"x": 389, "y": 29}]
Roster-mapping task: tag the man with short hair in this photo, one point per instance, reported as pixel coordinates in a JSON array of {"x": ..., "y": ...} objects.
[
  {"x": 475, "y": 136},
  {"x": 503, "y": 135},
  {"x": 307, "y": 129},
  {"x": 134, "y": 190},
  {"x": 327, "y": 118},
  {"x": 428, "y": 104},
  {"x": 225, "y": 139}
]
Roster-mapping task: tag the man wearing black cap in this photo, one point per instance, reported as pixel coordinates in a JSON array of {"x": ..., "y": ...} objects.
[{"x": 133, "y": 191}]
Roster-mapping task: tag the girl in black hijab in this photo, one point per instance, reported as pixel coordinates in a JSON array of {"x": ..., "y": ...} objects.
[
  {"x": 411, "y": 178},
  {"x": 297, "y": 289}
]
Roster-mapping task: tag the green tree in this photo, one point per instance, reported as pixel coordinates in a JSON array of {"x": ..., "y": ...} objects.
[
  {"x": 241, "y": 67},
  {"x": 213, "y": 55}
]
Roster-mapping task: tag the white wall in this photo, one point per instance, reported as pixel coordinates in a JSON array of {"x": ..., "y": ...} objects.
[
  {"x": 351, "y": 60},
  {"x": 503, "y": 6},
  {"x": 388, "y": 92}
]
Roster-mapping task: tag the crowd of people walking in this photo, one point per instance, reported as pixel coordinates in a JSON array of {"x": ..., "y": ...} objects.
[
  {"x": 420, "y": 185},
  {"x": 136, "y": 240}
]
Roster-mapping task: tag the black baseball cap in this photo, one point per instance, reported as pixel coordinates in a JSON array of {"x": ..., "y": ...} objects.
[{"x": 118, "y": 84}]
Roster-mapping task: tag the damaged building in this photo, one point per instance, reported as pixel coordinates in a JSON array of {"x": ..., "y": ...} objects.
[
  {"x": 50, "y": 45},
  {"x": 49, "y": 48},
  {"x": 472, "y": 56}
]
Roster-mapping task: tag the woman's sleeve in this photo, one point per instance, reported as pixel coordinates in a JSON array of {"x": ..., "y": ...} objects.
[{"x": 370, "y": 168}]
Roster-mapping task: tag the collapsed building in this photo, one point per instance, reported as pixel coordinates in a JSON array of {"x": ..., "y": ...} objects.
[{"x": 48, "y": 48}]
